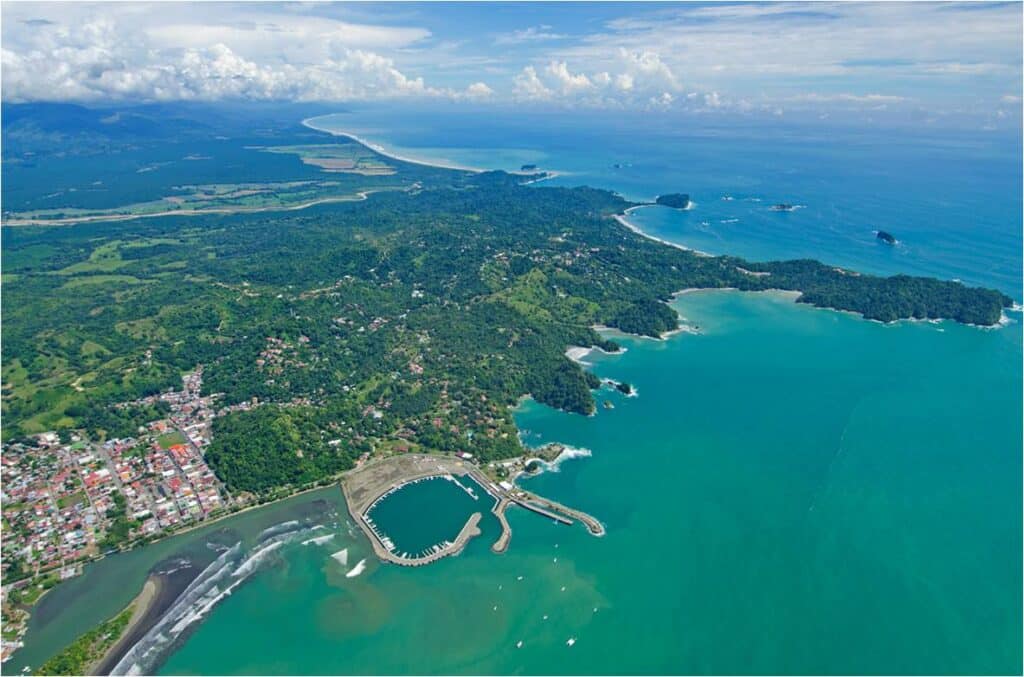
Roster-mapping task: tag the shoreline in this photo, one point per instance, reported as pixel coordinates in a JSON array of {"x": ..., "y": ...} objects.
[
  {"x": 624, "y": 220},
  {"x": 143, "y": 606},
  {"x": 383, "y": 151},
  {"x": 1004, "y": 319}
]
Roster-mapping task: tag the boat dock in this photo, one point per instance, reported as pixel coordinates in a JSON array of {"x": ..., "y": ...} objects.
[{"x": 377, "y": 480}]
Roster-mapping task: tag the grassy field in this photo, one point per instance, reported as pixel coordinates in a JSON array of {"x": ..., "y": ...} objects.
[
  {"x": 72, "y": 499},
  {"x": 168, "y": 440},
  {"x": 343, "y": 158}
]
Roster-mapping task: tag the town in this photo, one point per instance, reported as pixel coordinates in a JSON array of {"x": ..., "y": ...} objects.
[{"x": 68, "y": 500}]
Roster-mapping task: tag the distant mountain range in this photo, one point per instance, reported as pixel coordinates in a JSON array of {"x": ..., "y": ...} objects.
[{"x": 45, "y": 128}]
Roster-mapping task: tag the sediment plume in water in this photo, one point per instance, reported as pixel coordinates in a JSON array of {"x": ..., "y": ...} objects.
[{"x": 218, "y": 580}]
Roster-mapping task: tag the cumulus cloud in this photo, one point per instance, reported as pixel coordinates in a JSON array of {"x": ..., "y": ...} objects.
[
  {"x": 96, "y": 73},
  {"x": 751, "y": 57},
  {"x": 635, "y": 78},
  {"x": 567, "y": 81},
  {"x": 111, "y": 57},
  {"x": 479, "y": 90},
  {"x": 527, "y": 86},
  {"x": 768, "y": 50}
]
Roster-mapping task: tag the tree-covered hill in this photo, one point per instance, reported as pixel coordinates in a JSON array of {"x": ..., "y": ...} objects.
[{"x": 412, "y": 319}]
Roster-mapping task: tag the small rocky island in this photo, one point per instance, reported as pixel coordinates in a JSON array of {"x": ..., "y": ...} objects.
[
  {"x": 885, "y": 237},
  {"x": 674, "y": 200}
]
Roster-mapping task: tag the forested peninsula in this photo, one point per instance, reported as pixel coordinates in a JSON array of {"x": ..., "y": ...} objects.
[{"x": 411, "y": 320}]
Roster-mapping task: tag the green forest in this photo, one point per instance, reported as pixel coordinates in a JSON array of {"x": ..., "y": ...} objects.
[{"x": 410, "y": 320}]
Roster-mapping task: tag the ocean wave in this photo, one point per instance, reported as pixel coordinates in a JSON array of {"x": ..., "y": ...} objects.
[
  {"x": 341, "y": 557},
  {"x": 318, "y": 540},
  {"x": 142, "y": 657},
  {"x": 277, "y": 529},
  {"x": 357, "y": 569},
  {"x": 254, "y": 560},
  {"x": 567, "y": 453},
  {"x": 217, "y": 581}
]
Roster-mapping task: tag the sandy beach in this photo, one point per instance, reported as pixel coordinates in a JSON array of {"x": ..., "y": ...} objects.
[
  {"x": 377, "y": 148},
  {"x": 159, "y": 593},
  {"x": 622, "y": 218},
  {"x": 381, "y": 150},
  {"x": 577, "y": 353},
  {"x": 142, "y": 605}
]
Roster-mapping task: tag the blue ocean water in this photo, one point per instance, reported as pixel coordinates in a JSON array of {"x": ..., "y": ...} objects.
[
  {"x": 793, "y": 490},
  {"x": 952, "y": 199}
]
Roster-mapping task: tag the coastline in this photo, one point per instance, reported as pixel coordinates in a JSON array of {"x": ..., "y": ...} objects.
[
  {"x": 1004, "y": 319},
  {"x": 624, "y": 220},
  {"x": 381, "y": 150},
  {"x": 175, "y": 586},
  {"x": 143, "y": 607}
]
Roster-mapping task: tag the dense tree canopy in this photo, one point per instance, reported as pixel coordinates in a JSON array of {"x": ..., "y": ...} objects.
[{"x": 410, "y": 320}]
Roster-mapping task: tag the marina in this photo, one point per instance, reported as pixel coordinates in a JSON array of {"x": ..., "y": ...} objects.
[{"x": 372, "y": 489}]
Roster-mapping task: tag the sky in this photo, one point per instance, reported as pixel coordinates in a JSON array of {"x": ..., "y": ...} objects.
[{"x": 930, "y": 60}]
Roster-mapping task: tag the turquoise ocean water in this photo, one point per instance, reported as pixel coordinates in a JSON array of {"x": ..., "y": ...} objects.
[{"x": 793, "y": 489}]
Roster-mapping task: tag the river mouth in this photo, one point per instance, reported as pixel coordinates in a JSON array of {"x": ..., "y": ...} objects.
[{"x": 420, "y": 516}]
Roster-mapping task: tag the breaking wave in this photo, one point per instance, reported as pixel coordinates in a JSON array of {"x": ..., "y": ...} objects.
[
  {"x": 357, "y": 569},
  {"x": 277, "y": 529},
  {"x": 566, "y": 454},
  {"x": 218, "y": 580}
]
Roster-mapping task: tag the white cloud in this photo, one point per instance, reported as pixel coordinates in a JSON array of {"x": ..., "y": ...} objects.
[
  {"x": 479, "y": 90},
  {"x": 637, "y": 78},
  {"x": 646, "y": 66},
  {"x": 102, "y": 72},
  {"x": 119, "y": 53},
  {"x": 528, "y": 86},
  {"x": 746, "y": 56},
  {"x": 850, "y": 98},
  {"x": 540, "y": 33},
  {"x": 566, "y": 81},
  {"x": 768, "y": 50}
]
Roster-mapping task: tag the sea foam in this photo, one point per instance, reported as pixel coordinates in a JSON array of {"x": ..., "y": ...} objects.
[
  {"x": 357, "y": 569},
  {"x": 217, "y": 581}
]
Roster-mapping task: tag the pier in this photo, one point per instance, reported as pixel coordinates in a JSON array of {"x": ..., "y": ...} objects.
[
  {"x": 593, "y": 525},
  {"x": 541, "y": 511},
  {"x": 501, "y": 545},
  {"x": 387, "y": 554},
  {"x": 378, "y": 479}
]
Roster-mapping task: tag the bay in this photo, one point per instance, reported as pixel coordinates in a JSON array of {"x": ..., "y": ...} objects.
[{"x": 793, "y": 489}]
